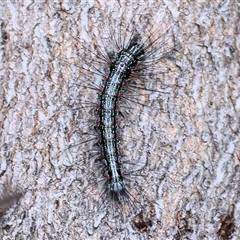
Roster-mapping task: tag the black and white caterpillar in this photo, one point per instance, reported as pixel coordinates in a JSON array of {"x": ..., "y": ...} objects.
[
  {"x": 126, "y": 68},
  {"x": 120, "y": 71}
]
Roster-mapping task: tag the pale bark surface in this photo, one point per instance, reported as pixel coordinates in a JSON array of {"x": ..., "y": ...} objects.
[{"x": 187, "y": 140}]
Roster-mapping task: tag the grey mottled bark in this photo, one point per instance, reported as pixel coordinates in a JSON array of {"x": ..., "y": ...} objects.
[{"x": 188, "y": 140}]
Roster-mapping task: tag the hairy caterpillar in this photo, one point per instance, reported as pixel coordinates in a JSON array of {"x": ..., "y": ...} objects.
[{"x": 129, "y": 58}]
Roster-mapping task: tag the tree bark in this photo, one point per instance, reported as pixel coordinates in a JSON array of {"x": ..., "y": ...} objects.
[{"x": 185, "y": 142}]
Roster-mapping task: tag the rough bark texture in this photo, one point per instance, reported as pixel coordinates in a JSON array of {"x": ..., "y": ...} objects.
[{"x": 189, "y": 143}]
